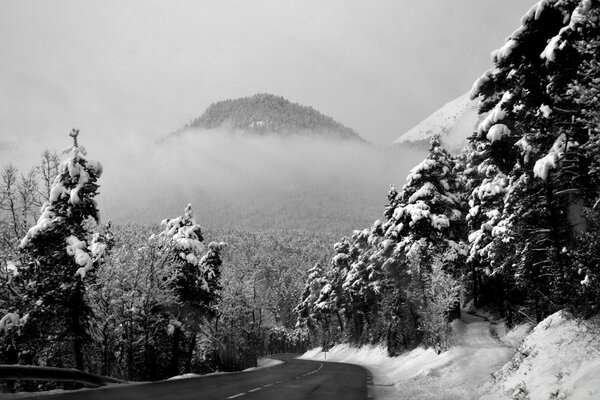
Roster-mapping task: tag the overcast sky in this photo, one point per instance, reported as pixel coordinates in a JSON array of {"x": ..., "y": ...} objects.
[{"x": 123, "y": 69}]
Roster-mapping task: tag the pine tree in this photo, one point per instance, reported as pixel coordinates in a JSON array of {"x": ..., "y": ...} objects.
[
  {"x": 517, "y": 222},
  {"x": 429, "y": 212},
  {"x": 196, "y": 279},
  {"x": 308, "y": 314},
  {"x": 62, "y": 255}
]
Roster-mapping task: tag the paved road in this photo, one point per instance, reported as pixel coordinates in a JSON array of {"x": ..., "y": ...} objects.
[{"x": 294, "y": 380}]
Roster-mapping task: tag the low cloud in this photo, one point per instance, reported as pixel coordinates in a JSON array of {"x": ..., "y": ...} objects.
[
  {"x": 245, "y": 181},
  {"x": 238, "y": 180}
]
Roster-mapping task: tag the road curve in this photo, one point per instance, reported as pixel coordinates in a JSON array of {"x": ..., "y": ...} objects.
[{"x": 293, "y": 380}]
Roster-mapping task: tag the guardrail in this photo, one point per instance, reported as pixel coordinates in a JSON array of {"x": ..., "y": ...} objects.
[{"x": 34, "y": 373}]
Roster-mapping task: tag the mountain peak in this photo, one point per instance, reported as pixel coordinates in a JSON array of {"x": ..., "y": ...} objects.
[
  {"x": 267, "y": 113},
  {"x": 454, "y": 122}
]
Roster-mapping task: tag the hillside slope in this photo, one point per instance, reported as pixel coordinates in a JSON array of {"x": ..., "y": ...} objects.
[
  {"x": 454, "y": 122},
  {"x": 558, "y": 359}
]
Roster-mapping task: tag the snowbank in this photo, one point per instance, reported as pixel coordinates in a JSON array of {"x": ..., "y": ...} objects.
[
  {"x": 265, "y": 362},
  {"x": 424, "y": 374},
  {"x": 559, "y": 359}
]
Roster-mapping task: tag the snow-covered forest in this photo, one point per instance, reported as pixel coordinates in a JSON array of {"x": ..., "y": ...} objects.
[
  {"x": 134, "y": 301},
  {"x": 509, "y": 225}
]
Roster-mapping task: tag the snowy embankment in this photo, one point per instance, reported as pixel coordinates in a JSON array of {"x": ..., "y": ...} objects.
[
  {"x": 559, "y": 359},
  {"x": 424, "y": 374}
]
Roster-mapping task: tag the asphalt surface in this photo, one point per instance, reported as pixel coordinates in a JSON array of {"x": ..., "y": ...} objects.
[{"x": 293, "y": 380}]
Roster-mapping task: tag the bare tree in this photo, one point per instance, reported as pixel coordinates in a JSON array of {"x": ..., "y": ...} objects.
[{"x": 48, "y": 170}]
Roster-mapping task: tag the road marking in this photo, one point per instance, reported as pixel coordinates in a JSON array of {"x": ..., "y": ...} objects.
[
  {"x": 315, "y": 371},
  {"x": 254, "y": 390},
  {"x": 236, "y": 395},
  {"x": 270, "y": 384}
]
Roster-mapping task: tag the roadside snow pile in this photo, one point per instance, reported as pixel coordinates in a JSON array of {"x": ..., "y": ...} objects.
[
  {"x": 560, "y": 359},
  {"x": 184, "y": 376},
  {"x": 265, "y": 362}
]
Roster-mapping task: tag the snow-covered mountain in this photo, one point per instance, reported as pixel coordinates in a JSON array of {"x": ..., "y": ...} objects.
[{"x": 454, "y": 122}]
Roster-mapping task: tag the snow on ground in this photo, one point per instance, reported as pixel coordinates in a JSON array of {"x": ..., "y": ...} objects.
[
  {"x": 184, "y": 376},
  {"x": 265, "y": 362},
  {"x": 560, "y": 359},
  {"x": 424, "y": 374}
]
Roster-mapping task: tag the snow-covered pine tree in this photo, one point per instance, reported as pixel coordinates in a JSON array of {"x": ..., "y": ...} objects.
[
  {"x": 427, "y": 223},
  {"x": 62, "y": 255},
  {"x": 365, "y": 283},
  {"x": 570, "y": 169},
  {"x": 210, "y": 269},
  {"x": 308, "y": 315},
  {"x": 196, "y": 279},
  {"x": 333, "y": 299},
  {"x": 532, "y": 131},
  {"x": 429, "y": 212},
  {"x": 183, "y": 242}
]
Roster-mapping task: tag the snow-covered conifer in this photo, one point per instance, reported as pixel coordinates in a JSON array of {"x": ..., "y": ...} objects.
[
  {"x": 430, "y": 207},
  {"x": 309, "y": 315},
  {"x": 63, "y": 255}
]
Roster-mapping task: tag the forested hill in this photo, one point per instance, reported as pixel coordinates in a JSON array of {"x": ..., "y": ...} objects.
[{"x": 264, "y": 113}]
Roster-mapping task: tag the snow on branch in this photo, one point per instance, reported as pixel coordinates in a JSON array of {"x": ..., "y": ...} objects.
[{"x": 551, "y": 160}]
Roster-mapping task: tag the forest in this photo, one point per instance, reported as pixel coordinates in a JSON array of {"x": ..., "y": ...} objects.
[
  {"x": 146, "y": 302},
  {"x": 267, "y": 113},
  {"x": 511, "y": 225}
]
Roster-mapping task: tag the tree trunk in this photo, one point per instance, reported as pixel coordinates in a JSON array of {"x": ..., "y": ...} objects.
[{"x": 77, "y": 316}]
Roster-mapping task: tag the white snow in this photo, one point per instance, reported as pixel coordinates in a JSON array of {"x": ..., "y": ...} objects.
[
  {"x": 10, "y": 320},
  {"x": 544, "y": 165},
  {"x": 497, "y": 132},
  {"x": 265, "y": 362},
  {"x": 182, "y": 231},
  {"x": 552, "y": 159},
  {"x": 424, "y": 374},
  {"x": 487, "y": 75},
  {"x": 497, "y": 114},
  {"x": 560, "y": 359},
  {"x": 454, "y": 122},
  {"x": 76, "y": 249},
  {"x": 526, "y": 149},
  {"x": 183, "y": 376},
  {"x": 417, "y": 212},
  {"x": 440, "y": 222},
  {"x": 424, "y": 192},
  {"x": 502, "y": 53},
  {"x": 47, "y": 219},
  {"x": 586, "y": 280},
  {"x": 74, "y": 167}
]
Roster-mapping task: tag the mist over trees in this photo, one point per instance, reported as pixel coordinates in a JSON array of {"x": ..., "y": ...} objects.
[{"x": 139, "y": 302}]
